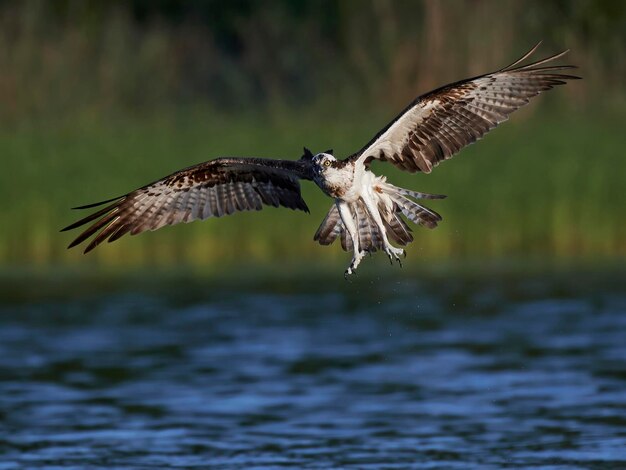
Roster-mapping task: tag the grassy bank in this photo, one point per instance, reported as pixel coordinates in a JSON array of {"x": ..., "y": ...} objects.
[{"x": 546, "y": 185}]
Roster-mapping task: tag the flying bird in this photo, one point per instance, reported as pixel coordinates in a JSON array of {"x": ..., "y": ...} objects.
[{"x": 367, "y": 212}]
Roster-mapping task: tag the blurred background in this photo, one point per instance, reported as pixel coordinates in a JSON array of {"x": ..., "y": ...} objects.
[
  {"x": 236, "y": 341},
  {"x": 100, "y": 97}
]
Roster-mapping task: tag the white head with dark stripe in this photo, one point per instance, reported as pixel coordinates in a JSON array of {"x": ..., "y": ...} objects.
[{"x": 324, "y": 161}]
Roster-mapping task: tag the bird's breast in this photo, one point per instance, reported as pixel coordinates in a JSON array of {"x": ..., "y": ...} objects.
[{"x": 337, "y": 184}]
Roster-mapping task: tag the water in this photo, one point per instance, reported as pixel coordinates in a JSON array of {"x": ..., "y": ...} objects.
[{"x": 418, "y": 372}]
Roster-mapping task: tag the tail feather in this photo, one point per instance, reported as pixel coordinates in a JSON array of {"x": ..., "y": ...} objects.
[
  {"x": 397, "y": 229},
  {"x": 415, "y": 194},
  {"x": 417, "y": 213},
  {"x": 412, "y": 210},
  {"x": 370, "y": 238},
  {"x": 330, "y": 228},
  {"x": 346, "y": 241},
  {"x": 364, "y": 230}
]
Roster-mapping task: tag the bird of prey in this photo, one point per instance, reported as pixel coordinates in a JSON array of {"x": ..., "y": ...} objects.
[{"x": 367, "y": 212}]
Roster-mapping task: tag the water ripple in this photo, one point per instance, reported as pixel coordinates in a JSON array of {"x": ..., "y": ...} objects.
[{"x": 411, "y": 374}]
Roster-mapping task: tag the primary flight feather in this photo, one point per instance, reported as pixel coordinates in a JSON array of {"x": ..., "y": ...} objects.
[{"x": 368, "y": 211}]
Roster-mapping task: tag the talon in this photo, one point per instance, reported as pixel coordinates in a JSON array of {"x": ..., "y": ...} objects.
[{"x": 404, "y": 253}]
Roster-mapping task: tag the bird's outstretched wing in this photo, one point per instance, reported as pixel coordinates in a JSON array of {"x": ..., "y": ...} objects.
[
  {"x": 437, "y": 125},
  {"x": 211, "y": 189}
]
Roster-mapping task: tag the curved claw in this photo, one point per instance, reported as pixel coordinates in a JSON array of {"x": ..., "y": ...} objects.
[{"x": 394, "y": 253}]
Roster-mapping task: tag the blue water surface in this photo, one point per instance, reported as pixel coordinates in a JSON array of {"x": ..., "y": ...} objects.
[{"x": 439, "y": 371}]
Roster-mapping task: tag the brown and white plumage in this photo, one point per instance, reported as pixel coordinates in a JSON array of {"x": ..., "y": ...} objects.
[
  {"x": 368, "y": 211},
  {"x": 438, "y": 124},
  {"x": 218, "y": 187}
]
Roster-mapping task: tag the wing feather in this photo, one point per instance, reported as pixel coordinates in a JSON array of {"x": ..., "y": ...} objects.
[
  {"x": 218, "y": 187},
  {"x": 437, "y": 125}
]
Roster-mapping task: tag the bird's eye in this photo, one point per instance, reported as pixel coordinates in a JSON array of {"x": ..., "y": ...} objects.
[{"x": 327, "y": 163}]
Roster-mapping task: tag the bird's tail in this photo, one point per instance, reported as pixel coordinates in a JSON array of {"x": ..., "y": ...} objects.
[{"x": 370, "y": 238}]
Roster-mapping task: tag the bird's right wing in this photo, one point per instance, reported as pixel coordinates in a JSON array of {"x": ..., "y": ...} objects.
[{"x": 211, "y": 189}]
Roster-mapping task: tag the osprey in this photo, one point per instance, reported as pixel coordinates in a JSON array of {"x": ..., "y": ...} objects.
[{"x": 367, "y": 211}]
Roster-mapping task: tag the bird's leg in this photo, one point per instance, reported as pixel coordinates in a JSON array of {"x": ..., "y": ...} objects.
[
  {"x": 349, "y": 224},
  {"x": 357, "y": 256},
  {"x": 392, "y": 251}
]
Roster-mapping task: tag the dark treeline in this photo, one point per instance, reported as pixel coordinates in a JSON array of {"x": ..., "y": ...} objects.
[{"x": 94, "y": 55}]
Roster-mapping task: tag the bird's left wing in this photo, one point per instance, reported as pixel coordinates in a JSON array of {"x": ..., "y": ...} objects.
[
  {"x": 437, "y": 125},
  {"x": 211, "y": 189}
]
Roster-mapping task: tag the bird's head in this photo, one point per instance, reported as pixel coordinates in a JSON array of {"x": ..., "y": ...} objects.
[{"x": 324, "y": 161}]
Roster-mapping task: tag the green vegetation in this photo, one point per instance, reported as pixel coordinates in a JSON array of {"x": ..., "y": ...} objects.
[
  {"x": 98, "y": 98},
  {"x": 535, "y": 186}
]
